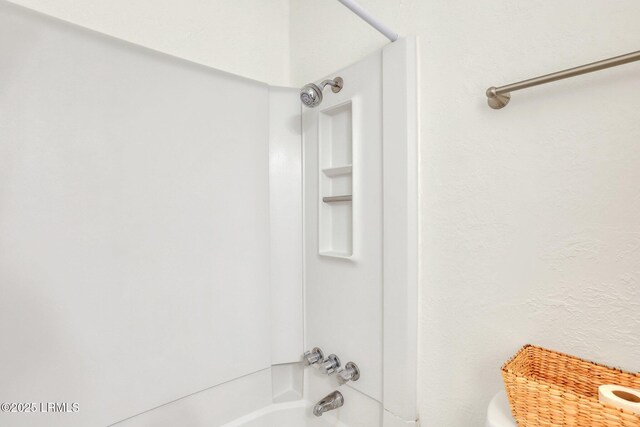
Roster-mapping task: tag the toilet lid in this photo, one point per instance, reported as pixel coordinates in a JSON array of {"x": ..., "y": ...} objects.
[{"x": 499, "y": 413}]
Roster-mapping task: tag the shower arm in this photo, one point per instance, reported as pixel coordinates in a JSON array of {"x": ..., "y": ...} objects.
[
  {"x": 356, "y": 8},
  {"x": 336, "y": 84}
]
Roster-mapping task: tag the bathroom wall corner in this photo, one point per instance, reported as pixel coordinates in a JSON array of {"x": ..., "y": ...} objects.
[{"x": 285, "y": 201}]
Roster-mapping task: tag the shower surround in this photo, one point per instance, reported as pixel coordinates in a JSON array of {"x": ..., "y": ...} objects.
[{"x": 165, "y": 244}]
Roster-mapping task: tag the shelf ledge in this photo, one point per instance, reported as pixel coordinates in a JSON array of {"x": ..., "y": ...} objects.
[{"x": 339, "y": 170}]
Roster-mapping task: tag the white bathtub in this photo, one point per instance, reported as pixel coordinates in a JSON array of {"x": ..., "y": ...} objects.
[{"x": 291, "y": 414}]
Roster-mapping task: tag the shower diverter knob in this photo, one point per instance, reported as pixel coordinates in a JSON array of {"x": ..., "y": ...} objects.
[
  {"x": 313, "y": 357},
  {"x": 331, "y": 365},
  {"x": 349, "y": 373}
]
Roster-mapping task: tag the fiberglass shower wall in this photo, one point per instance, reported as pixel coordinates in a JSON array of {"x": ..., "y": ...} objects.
[
  {"x": 151, "y": 234},
  {"x": 134, "y": 225}
]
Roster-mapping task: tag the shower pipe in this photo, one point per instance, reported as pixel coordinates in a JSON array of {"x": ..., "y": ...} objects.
[
  {"x": 499, "y": 97},
  {"x": 366, "y": 16}
]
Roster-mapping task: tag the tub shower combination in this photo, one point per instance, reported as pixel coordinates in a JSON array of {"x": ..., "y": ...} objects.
[{"x": 171, "y": 247}]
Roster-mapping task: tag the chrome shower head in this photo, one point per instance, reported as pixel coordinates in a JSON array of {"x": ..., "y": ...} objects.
[{"x": 311, "y": 94}]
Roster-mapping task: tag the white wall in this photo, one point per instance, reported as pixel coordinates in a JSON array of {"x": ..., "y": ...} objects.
[
  {"x": 134, "y": 225},
  {"x": 343, "y": 274},
  {"x": 327, "y": 39},
  {"x": 285, "y": 226},
  {"x": 245, "y": 37},
  {"x": 529, "y": 215}
]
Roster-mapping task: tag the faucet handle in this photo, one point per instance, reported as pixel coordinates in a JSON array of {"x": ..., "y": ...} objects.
[
  {"x": 349, "y": 373},
  {"x": 331, "y": 364},
  {"x": 313, "y": 357}
]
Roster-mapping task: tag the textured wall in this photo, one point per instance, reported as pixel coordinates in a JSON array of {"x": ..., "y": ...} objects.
[
  {"x": 245, "y": 37},
  {"x": 530, "y": 229}
]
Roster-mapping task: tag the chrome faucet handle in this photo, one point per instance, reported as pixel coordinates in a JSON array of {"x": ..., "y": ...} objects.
[
  {"x": 313, "y": 357},
  {"x": 349, "y": 373},
  {"x": 331, "y": 364}
]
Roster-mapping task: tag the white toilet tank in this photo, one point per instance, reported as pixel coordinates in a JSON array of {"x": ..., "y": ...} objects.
[{"x": 499, "y": 413}]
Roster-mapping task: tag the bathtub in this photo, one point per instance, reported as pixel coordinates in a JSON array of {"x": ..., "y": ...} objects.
[{"x": 291, "y": 414}]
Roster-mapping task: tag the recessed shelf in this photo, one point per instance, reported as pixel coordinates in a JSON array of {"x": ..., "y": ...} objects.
[
  {"x": 335, "y": 154},
  {"x": 339, "y": 170}
]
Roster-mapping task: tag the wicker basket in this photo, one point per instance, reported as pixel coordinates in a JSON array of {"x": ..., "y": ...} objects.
[{"x": 551, "y": 389}]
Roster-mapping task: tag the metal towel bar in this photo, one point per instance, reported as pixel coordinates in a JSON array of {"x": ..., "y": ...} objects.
[{"x": 499, "y": 97}]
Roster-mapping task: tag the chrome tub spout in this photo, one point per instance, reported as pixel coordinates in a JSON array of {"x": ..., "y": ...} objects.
[{"x": 328, "y": 403}]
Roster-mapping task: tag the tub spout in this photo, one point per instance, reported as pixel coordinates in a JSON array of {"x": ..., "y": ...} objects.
[{"x": 328, "y": 403}]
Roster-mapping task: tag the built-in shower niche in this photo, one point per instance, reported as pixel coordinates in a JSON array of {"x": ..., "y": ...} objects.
[{"x": 335, "y": 139}]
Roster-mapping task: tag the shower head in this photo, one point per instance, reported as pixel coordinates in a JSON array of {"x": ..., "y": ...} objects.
[{"x": 311, "y": 94}]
